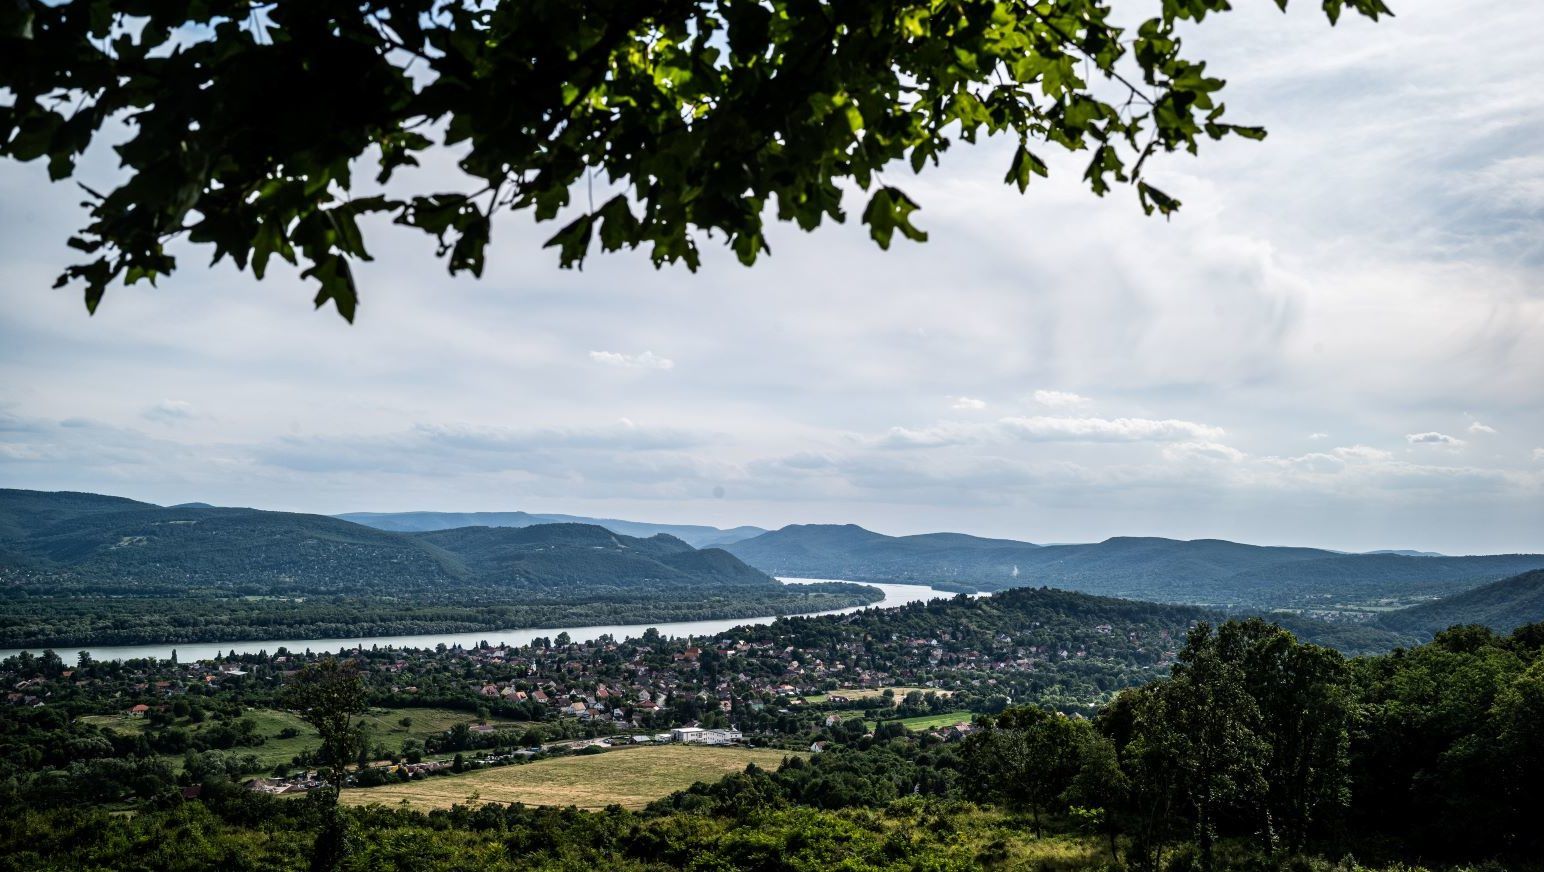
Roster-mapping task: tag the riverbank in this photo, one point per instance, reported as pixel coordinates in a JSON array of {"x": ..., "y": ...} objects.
[
  {"x": 207, "y": 617},
  {"x": 889, "y": 596}
]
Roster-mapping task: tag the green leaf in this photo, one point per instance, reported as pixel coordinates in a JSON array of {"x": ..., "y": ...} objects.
[
  {"x": 1152, "y": 198},
  {"x": 573, "y": 241},
  {"x": 1024, "y": 167},
  {"x": 890, "y": 210},
  {"x": 337, "y": 285}
]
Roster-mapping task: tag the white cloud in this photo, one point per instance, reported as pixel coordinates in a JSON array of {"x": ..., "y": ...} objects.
[
  {"x": 1538, "y": 455},
  {"x": 643, "y": 360},
  {"x": 1206, "y": 451},
  {"x": 1432, "y": 438},
  {"x": 929, "y": 437},
  {"x": 1050, "y": 429},
  {"x": 1303, "y": 285},
  {"x": 171, "y": 411},
  {"x": 1060, "y": 399},
  {"x": 968, "y": 404},
  {"x": 1362, "y": 453},
  {"x": 1318, "y": 436},
  {"x": 1477, "y": 427}
]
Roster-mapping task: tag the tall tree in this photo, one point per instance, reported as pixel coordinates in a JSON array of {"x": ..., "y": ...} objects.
[
  {"x": 1193, "y": 748},
  {"x": 1028, "y": 757},
  {"x": 249, "y": 119},
  {"x": 329, "y": 695},
  {"x": 1304, "y": 697}
]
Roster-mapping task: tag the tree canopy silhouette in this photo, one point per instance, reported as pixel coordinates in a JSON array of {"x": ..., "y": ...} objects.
[{"x": 247, "y": 120}]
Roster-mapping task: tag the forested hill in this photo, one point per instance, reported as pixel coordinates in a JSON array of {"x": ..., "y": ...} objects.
[
  {"x": 84, "y": 546},
  {"x": 1502, "y": 606},
  {"x": 696, "y": 535},
  {"x": 82, "y": 569},
  {"x": 23, "y": 513},
  {"x": 1084, "y": 621},
  {"x": 52, "y": 543},
  {"x": 560, "y": 555},
  {"x": 1203, "y": 571}
]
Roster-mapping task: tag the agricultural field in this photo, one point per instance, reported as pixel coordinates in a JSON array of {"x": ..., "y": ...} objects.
[
  {"x": 383, "y": 725},
  {"x": 875, "y": 692},
  {"x": 933, "y": 722},
  {"x": 630, "y": 777}
]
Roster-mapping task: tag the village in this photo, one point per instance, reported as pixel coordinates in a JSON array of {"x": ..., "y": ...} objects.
[{"x": 796, "y": 685}]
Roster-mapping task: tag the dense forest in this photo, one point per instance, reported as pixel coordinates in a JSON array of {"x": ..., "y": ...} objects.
[
  {"x": 79, "y": 569},
  {"x": 82, "y": 544},
  {"x": 1501, "y": 605},
  {"x": 89, "y": 569},
  {"x": 1201, "y": 572},
  {"x": 38, "y": 622}
]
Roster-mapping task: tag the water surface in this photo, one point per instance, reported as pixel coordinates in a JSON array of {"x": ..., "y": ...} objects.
[{"x": 895, "y": 595}]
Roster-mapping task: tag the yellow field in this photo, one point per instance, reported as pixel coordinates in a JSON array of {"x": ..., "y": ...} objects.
[
  {"x": 874, "y": 692},
  {"x": 629, "y": 777}
]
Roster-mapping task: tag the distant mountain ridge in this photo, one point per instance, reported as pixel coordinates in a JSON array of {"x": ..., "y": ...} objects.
[
  {"x": 556, "y": 556},
  {"x": 88, "y": 542},
  {"x": 64, "y": 542},
  {"x": 1502, "y": 606},
  {"x": 1211, "y": 572},
  {"x": 1405, "y": 552},
  {"x": 696, "y": 535}
]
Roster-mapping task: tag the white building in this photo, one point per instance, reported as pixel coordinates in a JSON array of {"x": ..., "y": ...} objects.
[{"x": 700, "y": 736}]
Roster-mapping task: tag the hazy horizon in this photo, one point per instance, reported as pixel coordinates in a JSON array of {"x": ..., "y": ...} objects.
[{"x": 1028, "y": 538}]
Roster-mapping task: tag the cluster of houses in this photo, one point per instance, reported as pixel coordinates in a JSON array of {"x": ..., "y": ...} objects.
[
  {"x": 150, "y": 680},
  {"x": 300, "y": 783}
]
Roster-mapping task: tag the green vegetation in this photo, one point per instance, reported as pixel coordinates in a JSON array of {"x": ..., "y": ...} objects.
[
  {"x": 894, "y": 694},
  {"x": 284, "y": 736},
  {"x": 708, "y": 118},
  {"x": 629, "y": 777},
  {"x": 933, "y": 722},
  {"x": 1254, "y": 751},
  {"x": 86, "y": 569},
  {"x": 1501, "y": 606},
  {"x": 1205, "y": 572}
]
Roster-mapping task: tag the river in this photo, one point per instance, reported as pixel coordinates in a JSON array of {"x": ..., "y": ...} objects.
[{"x": 895, "y": 595}]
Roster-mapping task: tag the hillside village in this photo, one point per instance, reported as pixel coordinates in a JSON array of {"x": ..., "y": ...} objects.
[
  {"x": 795, "y": 683},
  {"x": 656, "y": 682}
]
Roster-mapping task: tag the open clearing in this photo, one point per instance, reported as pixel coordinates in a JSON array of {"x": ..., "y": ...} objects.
[
  {"x": 933, "y": 722},
  {"x": 875, "y": 692},
  {"x": 629, "y": 777},
  {"x": 383, "y": 725}
]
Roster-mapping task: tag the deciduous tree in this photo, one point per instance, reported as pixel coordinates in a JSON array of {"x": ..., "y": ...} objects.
[{"x": 248, "y": 121}]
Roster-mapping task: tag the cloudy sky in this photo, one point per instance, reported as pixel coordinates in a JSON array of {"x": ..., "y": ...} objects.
[{"x": 1338, "y": 342}]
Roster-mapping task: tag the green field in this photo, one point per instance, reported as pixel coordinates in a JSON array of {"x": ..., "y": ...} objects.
[
  {"x": 630, "y": 777},
  {"x": 383, "y": 725},
  {"x": 931, "y": 722}
]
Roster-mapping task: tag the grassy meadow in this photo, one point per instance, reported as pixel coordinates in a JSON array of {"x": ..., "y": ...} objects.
[
  {"x": 932, "y": 722},
  {"x": 630, "y": 777}
]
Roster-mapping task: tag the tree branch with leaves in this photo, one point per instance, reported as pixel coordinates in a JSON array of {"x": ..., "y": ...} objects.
[{"x": 248, "y": 119}]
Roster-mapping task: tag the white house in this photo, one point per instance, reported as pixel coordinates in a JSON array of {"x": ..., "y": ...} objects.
[
  {"x": 700, "y": 736},
  {"x": 686, "y": 734}
]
